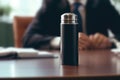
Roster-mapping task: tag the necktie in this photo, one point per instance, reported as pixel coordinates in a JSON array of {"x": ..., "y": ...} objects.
[{"x": 76, "y": 7}]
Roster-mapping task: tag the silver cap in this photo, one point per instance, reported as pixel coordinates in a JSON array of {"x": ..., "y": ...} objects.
[{"x": 69, "y": 18}]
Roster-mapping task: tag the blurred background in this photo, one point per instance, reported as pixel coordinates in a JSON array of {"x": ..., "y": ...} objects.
[{"x": 11, "y": 8}]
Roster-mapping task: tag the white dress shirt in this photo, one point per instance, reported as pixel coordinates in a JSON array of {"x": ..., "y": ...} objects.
[
  {"x": 83, "y": 2},
  {"x": 82, "y": 13}
]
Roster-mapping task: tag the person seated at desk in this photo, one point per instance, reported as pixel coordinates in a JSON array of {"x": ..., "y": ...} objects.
[{"x": 96, "y": 18}]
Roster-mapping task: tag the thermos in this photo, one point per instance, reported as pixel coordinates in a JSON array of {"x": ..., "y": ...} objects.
[{"x": 69, "y": 39}]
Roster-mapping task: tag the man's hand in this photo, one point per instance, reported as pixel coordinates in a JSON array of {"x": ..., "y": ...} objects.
[
  {"x": 84, "y": 41},
  {"x": 99, "y": 41}
]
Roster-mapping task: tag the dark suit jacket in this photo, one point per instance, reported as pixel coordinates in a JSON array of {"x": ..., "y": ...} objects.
[{"x": 100, "y": 16}]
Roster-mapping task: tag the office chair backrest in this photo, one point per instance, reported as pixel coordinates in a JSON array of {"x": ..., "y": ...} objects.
[{"x": 19, "y": 26}]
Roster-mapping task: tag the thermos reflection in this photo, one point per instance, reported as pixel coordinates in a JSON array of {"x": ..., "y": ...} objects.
[{"x": 69, "y": 39}]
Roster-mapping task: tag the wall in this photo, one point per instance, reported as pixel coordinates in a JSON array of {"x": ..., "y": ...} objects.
[{"x": 6, "y": 34}]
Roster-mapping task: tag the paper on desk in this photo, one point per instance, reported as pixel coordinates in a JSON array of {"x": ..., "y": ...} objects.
[
  {"x": 112, "y": 38},
  {"x": 116, "y": 50},
  {"x": 26, "y": 52}
]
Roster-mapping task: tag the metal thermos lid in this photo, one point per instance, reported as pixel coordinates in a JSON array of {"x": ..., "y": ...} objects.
[{"x": 69, "y": 18}]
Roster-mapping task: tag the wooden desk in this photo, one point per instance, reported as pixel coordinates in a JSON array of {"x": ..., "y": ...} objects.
[{"x": 93, "y": 64}]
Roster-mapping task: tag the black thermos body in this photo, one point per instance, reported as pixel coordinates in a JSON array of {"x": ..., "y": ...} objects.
[{"x": 69, "y": 39}]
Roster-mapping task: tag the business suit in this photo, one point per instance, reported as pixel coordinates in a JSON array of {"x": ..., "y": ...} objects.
[{"x": 46, "y": 24}]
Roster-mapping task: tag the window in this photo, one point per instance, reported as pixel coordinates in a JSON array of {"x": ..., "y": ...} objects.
[
  {"x": 30, "y": 7},
  {"x": 25, "y": 7},
  {"x": 22, "y": 7}
]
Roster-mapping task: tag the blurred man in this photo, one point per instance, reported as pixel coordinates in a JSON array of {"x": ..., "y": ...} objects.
[{"x": 96, "y": 17}]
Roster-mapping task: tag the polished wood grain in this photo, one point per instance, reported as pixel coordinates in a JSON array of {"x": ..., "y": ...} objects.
[{"x": 99, "y": 63}]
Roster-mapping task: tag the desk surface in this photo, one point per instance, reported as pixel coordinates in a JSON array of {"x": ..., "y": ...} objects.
[{"x": 92, "y": 64}]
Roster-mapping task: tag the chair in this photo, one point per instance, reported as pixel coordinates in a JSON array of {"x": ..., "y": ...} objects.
[{"x": 19, "y": 26}]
